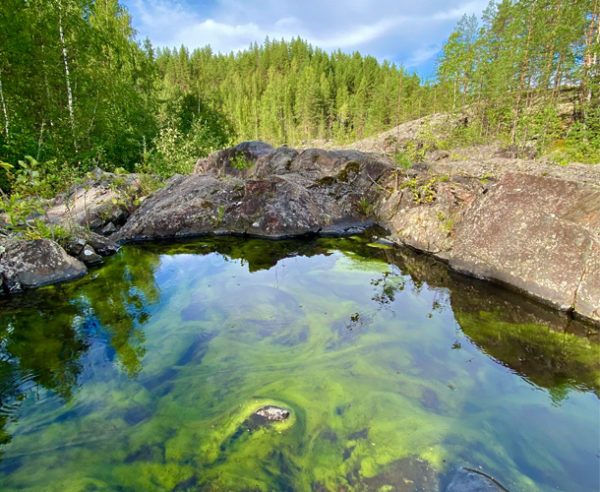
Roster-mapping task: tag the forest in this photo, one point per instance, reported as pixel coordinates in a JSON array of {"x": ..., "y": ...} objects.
[{"x": 79, "y": 91}]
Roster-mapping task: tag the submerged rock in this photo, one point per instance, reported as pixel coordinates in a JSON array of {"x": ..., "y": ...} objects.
[
  {"x": 32, "y": 264},
  {"x": 272, "y": 413},
  {"x": 468, "y": 480}
]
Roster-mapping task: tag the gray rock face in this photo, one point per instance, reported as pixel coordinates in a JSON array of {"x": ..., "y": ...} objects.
[
  {"x": 224, "y": 162},
  {"x": 32, "y": 264},
  {"x": 95, "y": 243},
  {"x": 466, "y": 480},
  {"x": 89, "y": 256},
  {"x": 538, "y": 234},
  {"x": 103, "y": 199},
  {"x": 287, "y": 194}
]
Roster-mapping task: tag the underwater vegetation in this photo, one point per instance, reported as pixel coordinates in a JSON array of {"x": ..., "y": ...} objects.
[{"x": 395, "y": 373}]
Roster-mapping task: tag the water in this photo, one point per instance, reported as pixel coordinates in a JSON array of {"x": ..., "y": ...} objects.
[{"x": 142, "y": 376}]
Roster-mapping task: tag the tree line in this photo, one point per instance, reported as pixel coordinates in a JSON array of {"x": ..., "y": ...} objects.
[
  {"x": 522, "y": 67},
  {"x": 78, "y": 91}
]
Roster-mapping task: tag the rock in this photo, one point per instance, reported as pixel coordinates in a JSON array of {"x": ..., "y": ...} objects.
[
  {"x": 89, "y": 256},
  {"x": 297, "y": 194},
  {"x": 467, "y": 480},
  {"x": 409, "y": 474},
  {"x": 272, "y": 413},
  {"x": 104, "y": 198},
  {"x": 75, "y": 246},
  {"x": 421, "y": 212},
  {"x": 223, "y": 162},
  {"x": 32, "y": 264},
  {"x": 438, "y": 155},
  {"x": 537, "y": 234},
  {"x": 108, "y": 229},
  {"x": 513, "y": 152},
  {"x": 276, "y": 162},
  {"x": 102, "y": 245}
]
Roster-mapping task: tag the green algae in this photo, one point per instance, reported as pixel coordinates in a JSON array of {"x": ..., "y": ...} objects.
[{"x": 390, "y": 378}]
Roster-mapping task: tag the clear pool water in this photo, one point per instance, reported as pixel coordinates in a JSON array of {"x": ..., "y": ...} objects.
[{"x": 142, "y": 375}]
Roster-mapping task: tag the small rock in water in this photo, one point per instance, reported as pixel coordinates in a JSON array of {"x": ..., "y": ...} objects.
[
  {"x": 272, "y": 413},
  {"x": 89, "y": 256}
]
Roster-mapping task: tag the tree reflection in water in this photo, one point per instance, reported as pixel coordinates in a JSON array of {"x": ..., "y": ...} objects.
[{"x": 42, "y": 340}]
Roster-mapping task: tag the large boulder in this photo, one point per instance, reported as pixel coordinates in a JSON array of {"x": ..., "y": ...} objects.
[
  {"x": 32, "y": 264},
  {"x": 420, "y": 211},
  {"x": 538, "y": 234},
  {"x": 288, "y": 194}
]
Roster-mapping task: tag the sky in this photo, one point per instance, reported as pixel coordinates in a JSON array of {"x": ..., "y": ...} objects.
[{"x": 407, "y": 32}]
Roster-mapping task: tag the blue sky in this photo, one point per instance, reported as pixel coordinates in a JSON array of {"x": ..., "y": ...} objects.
[{"x": 406, "y": 32}]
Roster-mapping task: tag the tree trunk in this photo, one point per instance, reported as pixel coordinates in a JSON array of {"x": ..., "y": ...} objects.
[
  {"x": 550, "y": 48},
  {"x": 4, "y": 111},
  {"x": 589, "y": 59},
  {"x": 523, "y": 72},
  {"x": 557, "y": 77},
  {"x": 40, "y": 141},
  {"x": 67, "y": 76}
]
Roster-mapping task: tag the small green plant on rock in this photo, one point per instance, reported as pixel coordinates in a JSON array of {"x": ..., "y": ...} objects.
[
  {"x": 422, "y": 191},
  {"x": 240, "y": 161},
  {"x": 403, "y": 160},
  {"x": 219, "y": 218},
  {"x": 363, "y": 206}
]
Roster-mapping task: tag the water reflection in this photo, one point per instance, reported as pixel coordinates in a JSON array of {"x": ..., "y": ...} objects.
[
  {"x": 45, "y": 337},
  {"x": 547, "y": 348}
]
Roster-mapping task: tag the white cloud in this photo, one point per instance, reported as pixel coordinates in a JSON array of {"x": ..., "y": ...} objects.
[{"x": 413, "y": 31}]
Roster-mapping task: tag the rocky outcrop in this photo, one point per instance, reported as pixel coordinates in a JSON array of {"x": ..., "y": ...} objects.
[
  {"x": 233, "y": 161},
  {"x": 538, "y": 234},
  {"x": 535, "y": 231},
  {"x": 285, "y": 194},
  {"x": 101, "y": 204},
  {"x": 32, "y": 264}
]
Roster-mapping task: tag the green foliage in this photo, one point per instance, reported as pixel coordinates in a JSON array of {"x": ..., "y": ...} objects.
[
  {"x": 40, "y": 229},
  {"x": 19, "y": 208},
  {"x": 364, "y": 206},
  {"x": 423, "y": 190},
  {"x": 403, "y": 159},
  {"x": 510, "y": 73},
  {"x": 240, "y": 161},
  {"x": 125, "y": 105}
]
